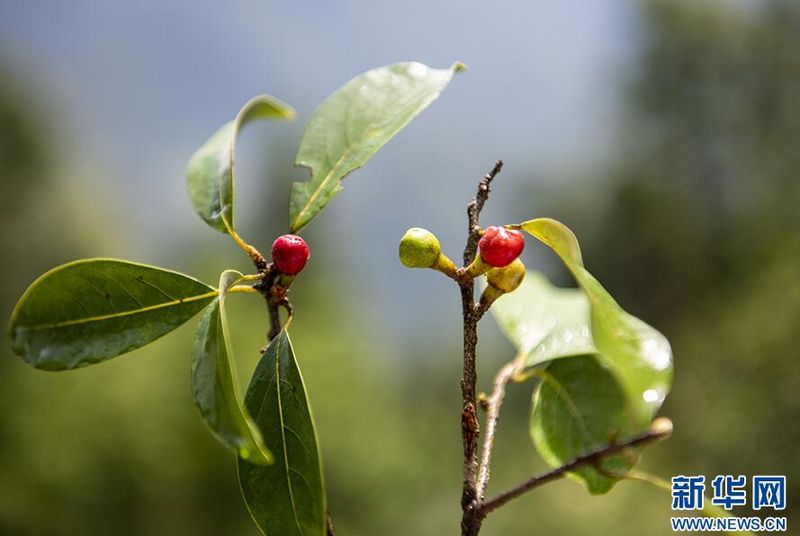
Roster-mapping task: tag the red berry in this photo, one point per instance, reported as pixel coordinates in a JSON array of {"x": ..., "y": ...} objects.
[
  {"x": 290, "y": 253},
  {"x": 500, "y": 246}
]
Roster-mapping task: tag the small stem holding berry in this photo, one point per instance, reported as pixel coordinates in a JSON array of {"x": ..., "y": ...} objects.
[
  {"x": 254, "y": 277},
  {"x": 289, "y": 256},
  {"x": 476, "y": 268}
]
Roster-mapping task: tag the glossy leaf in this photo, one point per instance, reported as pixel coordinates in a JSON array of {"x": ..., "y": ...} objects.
[
  {"x": 545, "y": 322},
  {"x": 90, "y": 310},
  {"x": 580, "y": 407},
  {"x": 209, "y": 175},
  {"x": 353, "y": 123},
  {"x": 638, "y": 355},
  {"x": 214, "y": 383},
  {"x": 287, "y": 497}
]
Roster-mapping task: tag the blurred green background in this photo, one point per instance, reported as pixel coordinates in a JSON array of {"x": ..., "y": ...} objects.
[{"x": 665, "y": 133}]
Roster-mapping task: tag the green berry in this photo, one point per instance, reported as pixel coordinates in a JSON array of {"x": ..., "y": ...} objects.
[
  {"x": 419, "y": 248},
  {"x": 507, "y": 278}
]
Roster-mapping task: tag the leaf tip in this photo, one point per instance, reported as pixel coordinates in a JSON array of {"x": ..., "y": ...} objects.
[
  {"x": 260, "y": 456},
  {"x": 288, "y": 113}
]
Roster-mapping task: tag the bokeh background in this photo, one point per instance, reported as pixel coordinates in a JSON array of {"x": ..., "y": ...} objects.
[{"x": 666, "y": 133}]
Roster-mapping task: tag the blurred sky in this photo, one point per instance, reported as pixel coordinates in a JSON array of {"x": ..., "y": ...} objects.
[
  {"x": 131, "y": 89},
  {"x": 141, "y": 84},
  {"x": 135, "y": 87}
]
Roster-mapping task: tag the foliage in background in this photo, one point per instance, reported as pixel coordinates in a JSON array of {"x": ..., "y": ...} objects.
[
  {"x": 87, "y": 311},
  {"x": 730, "y": 317},
  {"x": 704, "y": 197}
]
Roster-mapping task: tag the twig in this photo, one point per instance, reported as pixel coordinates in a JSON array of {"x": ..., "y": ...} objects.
[
  {"x": 660, "y": 429},
  {"x": 275, "y": 301},
  {"x": 275, "y": 295},
  {"x": 481, "y": 309},
  {"x": 474, "y": 212},
  {"x": 274, "y": 320},
  {"x": 266, "y": 287},
  {"x": 493, "y": 404},
  {"x": 470, "y": 425},
  {"x": 330, "y": 531}
]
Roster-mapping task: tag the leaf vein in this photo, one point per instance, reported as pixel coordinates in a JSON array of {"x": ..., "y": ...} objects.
[{"x": 99, "y": 318}]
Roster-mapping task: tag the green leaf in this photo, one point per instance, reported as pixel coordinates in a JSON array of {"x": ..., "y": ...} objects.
[
  {"x": 617, "y": 372},
  {"x": 580, "y": 407},
  {"x": 90, "y": 310},
  {"x": 214, "y": 382},
  {"x": 353, "y": 123},
  {"x": 209, "y": 175},
  {"x": 545, "y": 322},
  {"x": 638, "y": 355},
  {"x": 288, "y": 497}
]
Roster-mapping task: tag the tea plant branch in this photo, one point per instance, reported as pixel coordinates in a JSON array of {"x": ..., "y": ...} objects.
[
  {"x": 470, "y": 425},
  {"x": 660, "y": 429},
  {"x": 275, "y": 294},
  {"x": 474, "y": 212},
  {"x": 493, "y": 404},
  {"x": 329, "y": 529},
  {"x": 274, "y": 319},
  {"x": 481, "y": 309}
]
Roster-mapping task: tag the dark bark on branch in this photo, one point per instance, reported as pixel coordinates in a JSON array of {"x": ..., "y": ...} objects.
[
  {"x": 470, "y": 425},
  {"x": 276, "y": 296}
]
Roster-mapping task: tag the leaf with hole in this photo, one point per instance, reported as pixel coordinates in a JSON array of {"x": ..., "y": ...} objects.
[
  {"x": 214, "y": 384},
  {"x": 580, "y": 407},
  {"x": 638, "y": 355},
  {"x": 353, "y": 123},
  {"x": 544, "y": 322},
  {"x": 210, "y": 173},
  {"x": 287, "y": 497},
  {"x": 90, "y": 310}
]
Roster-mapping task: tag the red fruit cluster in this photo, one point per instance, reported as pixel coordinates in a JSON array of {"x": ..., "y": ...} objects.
[
  {"x": 500, "y": 246},
  {"x": 290, "y": 254}
]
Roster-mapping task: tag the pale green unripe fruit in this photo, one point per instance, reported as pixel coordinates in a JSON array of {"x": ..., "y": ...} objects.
[
  {"x": 501, "y": 281},
  {"x": 419, "y": 248},
  {"x": 507, "y": 278}
]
